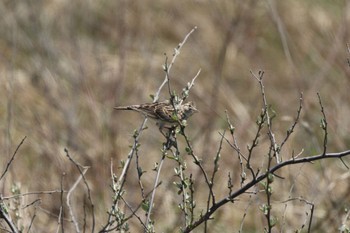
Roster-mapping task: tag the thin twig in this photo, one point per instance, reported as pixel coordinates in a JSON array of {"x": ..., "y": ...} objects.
[
  {"x": 343, "y": 162},
  {"x": 348, "y": 47},
  {"x": 176, "y": 53},
  {"x": 235, "y": 147},
  {"x": 139, "y": 175},
  {"x": 149, "y": 212},
  {"x": 133, "y": 213},
  {"x": 282, "y": 32},
  {"x": 263, "y": 176},
  {"x": 119, "y": 184},
  {"x": 34, "y": 216},
  {"x": 216, "y": 166},
  {"x": 196, "y": 160},
  {"x": 291, "y": 129},
  {"x": 75, "y": 222},
  {"x": 268, "y": 117},
  {"x": 255, "y": 142},
  {"x": 293, "y": 185},
  {"x": 188, "y": 87},
  {"x": 211, "y": 196},
  {"x": 33, "y": 193},
  {"x": 324, "y": 125},
  {"x": 167, "y": 69},
  {"x": 122, "y": 176},
  {"x": 311, "y": 209},
  {"x": 12, "y": 158},
  {"x": 59, "y": 220},
  {"x": 80, "y": 167},
  {"x": 4, "y": 215},
  {"x": 35, "y": 203},
  {"x": 251, "y": 201},
  {"x": 61, "y": 214}
]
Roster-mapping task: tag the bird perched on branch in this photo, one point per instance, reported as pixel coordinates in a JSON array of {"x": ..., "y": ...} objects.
[{"x": 164, "y": 112}]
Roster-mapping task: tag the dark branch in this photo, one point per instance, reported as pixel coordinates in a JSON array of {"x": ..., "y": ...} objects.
[{"x": 253, "y": 182}]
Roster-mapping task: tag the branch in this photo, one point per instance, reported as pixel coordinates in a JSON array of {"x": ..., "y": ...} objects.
[
  {"x": 32, "y": 193},
  {"x": 291, "y": 129},
  {"x": 167, "y": 68},
  {"x": 324, "y": 125},
  {"x": 268, "y": 117},
  {"x": 68, "y": 200},
  {"x": 4, "y": 215},
  {"x": 12, "y": 158},
  {"x": 149, "y": 212},
  {"x": 82, "y": 176},
  {"x": 82, "y": 170},
  {"x": 253, "y": 182},
  {"x": 312, "y": 208}
]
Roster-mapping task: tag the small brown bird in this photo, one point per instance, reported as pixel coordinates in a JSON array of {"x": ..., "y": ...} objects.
[{"x": 164, "y": 112}]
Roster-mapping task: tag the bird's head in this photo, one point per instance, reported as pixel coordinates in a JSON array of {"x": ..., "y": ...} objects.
[{"x": 189, "y": 109}]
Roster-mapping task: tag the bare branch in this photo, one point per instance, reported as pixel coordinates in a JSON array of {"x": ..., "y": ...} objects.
[
  {"x": 186, "y": 90},
  {"x": 5, "y": 215},
  {"x": 82, "y": 176},
  {"x": 33, "y": 193},
  {"x": 263, "y": 176},
  {"x": 167, "y": 67},
  {"x": 311, "y": 209},
  {"x": 12, "y": 158},
  {"x": 291, "y": 129},
  {"x": 154, "y": 189},
  {"x": 324, "y": 125},
  {"x": 75, "y": 221},
  {"x": 82, "y": 170},
  {"x": 268, "y": 117}
]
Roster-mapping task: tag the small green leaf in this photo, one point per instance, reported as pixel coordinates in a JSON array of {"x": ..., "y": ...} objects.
[
  {"x": 270, "y": 177},
  {"x": 188, "y": 150},
  {"x": 145, "y": 205},
  {"x": 232, "y": 129},
  {"x": 323, "y": 124},
  {"x": 273, "y": 221},
  {"x": 140, "y": 171},
  {"x": 264, "y": 184},
  {"x": 264, "y": 208}
]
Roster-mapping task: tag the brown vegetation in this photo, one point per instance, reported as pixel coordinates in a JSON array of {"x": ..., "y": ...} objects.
[{"x": 65, "y": 65}]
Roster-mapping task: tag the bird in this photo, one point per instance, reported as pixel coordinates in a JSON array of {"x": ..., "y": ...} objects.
[{"x": 164, "y": 112}]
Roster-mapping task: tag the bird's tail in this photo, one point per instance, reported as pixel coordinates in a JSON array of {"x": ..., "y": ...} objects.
[{"x": 132, "y": 107}]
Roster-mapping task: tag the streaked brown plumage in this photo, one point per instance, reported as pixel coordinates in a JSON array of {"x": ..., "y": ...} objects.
[{"x": 163, "y": 112}]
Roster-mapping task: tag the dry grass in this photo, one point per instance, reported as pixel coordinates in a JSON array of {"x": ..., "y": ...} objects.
[{"x": 64, "y": 65}]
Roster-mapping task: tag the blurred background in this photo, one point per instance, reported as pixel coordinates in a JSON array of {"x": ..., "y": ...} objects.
[{"x": 64, "y": 65}]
